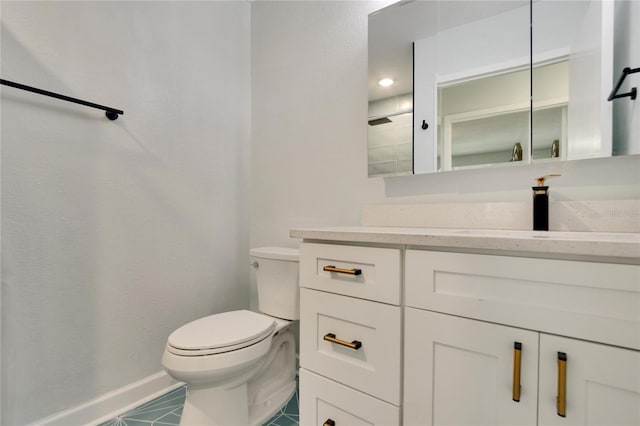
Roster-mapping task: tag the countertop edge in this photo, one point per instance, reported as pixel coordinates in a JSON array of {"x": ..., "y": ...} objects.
[{"x": 621, "y": 249}]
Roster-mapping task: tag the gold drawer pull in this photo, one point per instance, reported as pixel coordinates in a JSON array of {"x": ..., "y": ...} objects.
[
  {"x": 562, "y": 384},
  {"x": 329, "y": 422},
  {"x": 355, "y": 345},
  {"x": 517, "y": 360},
  {"x": 331, "y": 268}
]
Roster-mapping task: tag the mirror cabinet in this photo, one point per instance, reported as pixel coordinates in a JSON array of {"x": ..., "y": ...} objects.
[{"x": 484, "y": 83}]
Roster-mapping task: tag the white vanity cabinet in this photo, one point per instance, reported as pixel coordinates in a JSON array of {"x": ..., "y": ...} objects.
[
  {"x": 484, "y": 352},
  {"x": 350, "y": 335},
  {"x": 527, "y": 331}
]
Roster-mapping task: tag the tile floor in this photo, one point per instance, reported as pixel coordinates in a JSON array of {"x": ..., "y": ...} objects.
[{"x": 166, "y": 411}]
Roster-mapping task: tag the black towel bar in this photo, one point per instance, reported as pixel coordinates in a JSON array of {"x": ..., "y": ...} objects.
[
  {"x": 111, "y": 113},
  {"x": 632, "y": 93}
]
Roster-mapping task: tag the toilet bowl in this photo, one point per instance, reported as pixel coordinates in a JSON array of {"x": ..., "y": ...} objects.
[{"x": 240, "y": 366}]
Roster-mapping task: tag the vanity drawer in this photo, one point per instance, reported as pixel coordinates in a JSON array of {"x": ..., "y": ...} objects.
[
  {"x": 366, "y": 272},
  {"x": 325, "y": 400},
  {"x": 587, "y": 300},
  {"x": 372, "y": 363}
]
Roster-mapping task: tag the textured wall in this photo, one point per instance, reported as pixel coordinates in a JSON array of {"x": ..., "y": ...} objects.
[
  {"x": 309, "y": 112},
  {"x": 115, "y": 233}
]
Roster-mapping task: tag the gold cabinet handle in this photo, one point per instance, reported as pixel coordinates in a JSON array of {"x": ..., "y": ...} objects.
[
  {"x": 329, "y": 422},
  {"x": 517, "y": 363},
  {"x": 562, "y": 384},
  {"x": 355, "y": 345},
  {"x": 331, "y": 268}
]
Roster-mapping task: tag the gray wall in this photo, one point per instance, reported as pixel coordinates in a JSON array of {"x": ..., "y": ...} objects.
[{"x": 116, "y": 233}]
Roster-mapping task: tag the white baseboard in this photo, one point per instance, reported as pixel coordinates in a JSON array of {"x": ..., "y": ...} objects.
[{"x": 114, "y": 403}]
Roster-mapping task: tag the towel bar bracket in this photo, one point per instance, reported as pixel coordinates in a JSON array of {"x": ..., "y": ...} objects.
[{"x": 632, "y": 93}]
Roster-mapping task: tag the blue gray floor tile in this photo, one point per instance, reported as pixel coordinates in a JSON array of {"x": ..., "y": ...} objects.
[{"x": 166, "y": 411}]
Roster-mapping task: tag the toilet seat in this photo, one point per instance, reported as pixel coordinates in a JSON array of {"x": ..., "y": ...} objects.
[{"x": 220, "y": 333}]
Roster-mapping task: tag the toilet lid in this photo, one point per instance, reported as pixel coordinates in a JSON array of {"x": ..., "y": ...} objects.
[{"x": 226, "y": 331}]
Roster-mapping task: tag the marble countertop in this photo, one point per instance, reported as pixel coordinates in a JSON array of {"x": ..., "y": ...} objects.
[{"x": 615, "y": 247}]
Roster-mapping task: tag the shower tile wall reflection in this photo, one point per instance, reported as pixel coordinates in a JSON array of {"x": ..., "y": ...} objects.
[
  {"x": 390, "y": 136},
  {"x": 390, "y": 146}
]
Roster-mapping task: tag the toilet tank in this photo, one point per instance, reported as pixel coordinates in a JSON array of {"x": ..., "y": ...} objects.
[{"x": 277, "y": 280}]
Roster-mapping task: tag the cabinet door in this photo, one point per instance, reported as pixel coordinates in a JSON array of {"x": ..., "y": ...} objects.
[
  {"x": 602, "y": 383},
  {"x": 425, "y": 146},
  {"x": 461, "y": 372},
  {"x": 590, "y": 78}
]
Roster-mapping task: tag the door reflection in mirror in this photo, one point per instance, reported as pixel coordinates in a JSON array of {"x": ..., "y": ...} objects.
[{"x": 483, "y": 119}]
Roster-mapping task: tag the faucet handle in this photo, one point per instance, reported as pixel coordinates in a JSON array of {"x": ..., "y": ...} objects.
[{"x": 541, "y": 179}]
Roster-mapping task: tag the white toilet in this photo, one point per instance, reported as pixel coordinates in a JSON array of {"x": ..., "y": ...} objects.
[{"x": 240, "y": 366}]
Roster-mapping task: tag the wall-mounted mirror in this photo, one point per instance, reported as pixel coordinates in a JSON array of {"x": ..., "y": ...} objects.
[{"x": 474, "y": 87}]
